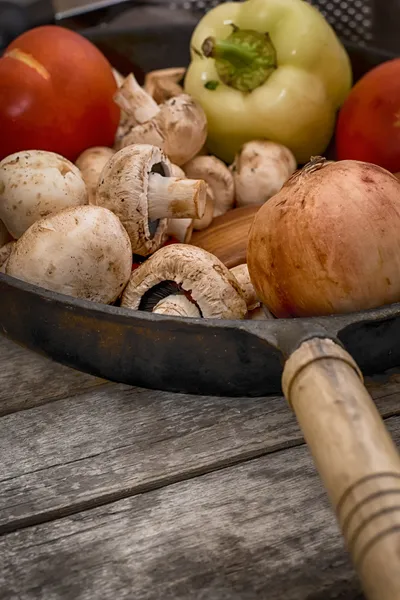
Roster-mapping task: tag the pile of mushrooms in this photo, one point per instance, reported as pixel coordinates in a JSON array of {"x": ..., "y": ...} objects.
[{"x": 80, "y": 229}]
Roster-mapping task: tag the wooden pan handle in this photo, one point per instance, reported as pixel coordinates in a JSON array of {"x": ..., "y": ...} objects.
[{"x": 355, "y": 456}]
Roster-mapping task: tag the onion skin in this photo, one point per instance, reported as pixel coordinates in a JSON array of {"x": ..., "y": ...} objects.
[{"x": 329, "y": 241}]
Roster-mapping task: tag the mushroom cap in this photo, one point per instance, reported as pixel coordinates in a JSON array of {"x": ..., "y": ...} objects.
[
  {"x": 179, "y": 129},
  {"x": 211, "y": 285},
  {"x": 5, "y": 252},
  {"x": 214, "y": 172},
  {"x": 83, "y": 252},
  {"x": 259, "y": 171},
  {"x": 164, "y": 83},
  {"x": 5, "y": 236},
  {"x": 91, "y": 163},
  {"x": 123, "y": 188},
  {"x": 37, "y": 183},
  {"x": 177, "y": 171},
  {"x": 241, "y": 272}
]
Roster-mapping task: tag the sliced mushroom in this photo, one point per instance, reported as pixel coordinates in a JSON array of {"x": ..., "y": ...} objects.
[
  {"x": 259, "y": 171},
  {"x": 178, "y": 126},
  {"x": 136, "y": 184},
  {"x": 83, "y": 252},
  {"x": 91, "y": 163},
  {"x": 5, "y": 236},
  {"x": 241, "y": 272},
  {"x": 214, "y": 172},
  {"x": 164, "y": 84},
  {"x": 5, "y": 252},
  {"x": 192, "y": 272},
  {"x": 34, "y": 184}
]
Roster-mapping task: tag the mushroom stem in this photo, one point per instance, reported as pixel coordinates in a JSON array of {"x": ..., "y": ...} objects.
[
  {"x": 208, "y": 215},
  {"x": 171, "y": 197},
  {"x": 135, "y": 102},
  {"x": 164, "y": 83},
  {"x": 181, "y": 229},
  {"x": 177, "y": 305}
]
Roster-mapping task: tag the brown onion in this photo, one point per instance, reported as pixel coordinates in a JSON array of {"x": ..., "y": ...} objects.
[{"x": 328, "y": 241}]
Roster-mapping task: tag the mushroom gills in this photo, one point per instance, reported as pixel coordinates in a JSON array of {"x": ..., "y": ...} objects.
[{"x": 155, "y": 296}]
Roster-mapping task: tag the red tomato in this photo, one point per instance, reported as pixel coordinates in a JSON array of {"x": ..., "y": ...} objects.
[
  {"x": 56, "y": 93},
  {"x": 368, "y": 126}
]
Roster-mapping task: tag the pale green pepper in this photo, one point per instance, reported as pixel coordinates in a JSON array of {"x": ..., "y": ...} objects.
[{"x": 268, "y": 69}]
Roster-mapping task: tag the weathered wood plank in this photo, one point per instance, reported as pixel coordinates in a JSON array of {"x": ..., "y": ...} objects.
[
  {"x": 259, "y": 530},
  {"x": 116, "y": 441},
  {"x": 27, "y": 379}
]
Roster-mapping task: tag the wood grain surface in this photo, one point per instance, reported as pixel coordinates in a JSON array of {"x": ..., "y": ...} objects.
[
  {"x": 116, "y": 441},
  {"x": 27, "y": 379},
  {"x": 261, "y": 529},
  {"x": 111, "y": 492}
]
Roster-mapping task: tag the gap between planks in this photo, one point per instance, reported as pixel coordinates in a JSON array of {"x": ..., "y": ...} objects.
[
  {"x": 260, "y": 530},
  {"x": 112, "y": 442}
]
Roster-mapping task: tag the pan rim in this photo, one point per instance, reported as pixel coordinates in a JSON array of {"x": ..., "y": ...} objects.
[{"x": 341, "y": 320}]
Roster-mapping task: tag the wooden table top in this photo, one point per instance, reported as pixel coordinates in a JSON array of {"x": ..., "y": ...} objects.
[{"x": 109, "y": 492}]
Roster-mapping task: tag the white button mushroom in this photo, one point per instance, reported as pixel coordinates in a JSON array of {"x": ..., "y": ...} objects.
[
  {"x": 34, "y": 184},
  {"x": 241, "y": 272},
  {"x": 164, "y": 84},
  {"x": 206, "y": 219},
  {"x": 5, "y": 252},
  {"x": 177, "y": 270},
  {"x": 136, "y": 184},
  {"x": 178, "y": 126},
  {"x": 177, "y": 305},
  {"x": 214, "y": 172},
  {"x": 91, "y": 163},
  {"x": 259, "y": 171},
  {"x": 83, "y": 252}
]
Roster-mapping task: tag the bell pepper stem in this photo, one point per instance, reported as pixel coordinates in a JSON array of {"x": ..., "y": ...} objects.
[
  {"x": 213, "y": 48},
  {"x": 244, "y": 60}
]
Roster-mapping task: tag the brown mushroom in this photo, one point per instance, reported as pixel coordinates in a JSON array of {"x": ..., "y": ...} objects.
[
  {"x": 164, "y": 84},
  {"x": 178, "y": 126},
  {"x": 214, "y": 172},
  {"x": 136, "y": 184},
  {"x": 183, "y": 270},
  {"x": 259, "y": 171},
  {"x": 91, "y": 163}
]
